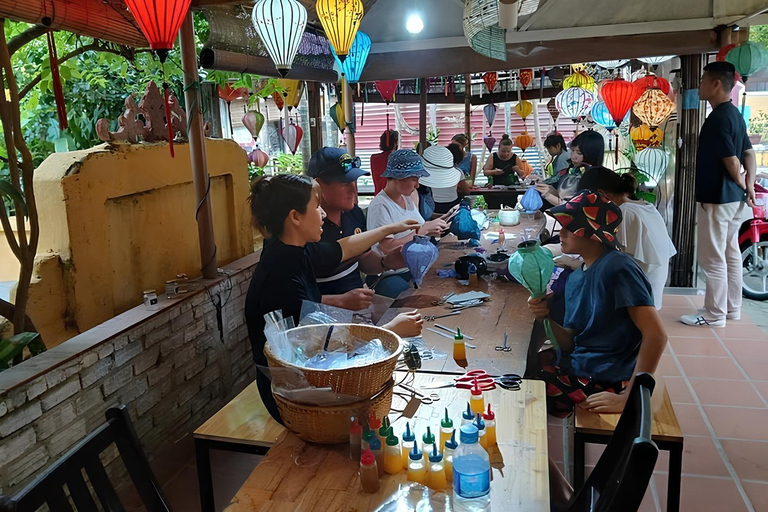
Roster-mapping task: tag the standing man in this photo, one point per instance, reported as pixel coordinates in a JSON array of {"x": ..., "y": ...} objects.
[
  {"x": 721, "y": 191},
  {"x": 342, "y": 286}
]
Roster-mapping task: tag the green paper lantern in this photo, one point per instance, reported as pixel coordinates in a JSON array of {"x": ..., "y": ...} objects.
[
  {"x": 532, "y": 266},
  {"x": 748, "y": 58}
]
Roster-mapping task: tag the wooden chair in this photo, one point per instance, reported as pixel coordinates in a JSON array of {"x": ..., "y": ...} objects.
[
  {"x": 48, "y": 488},
  {"x": 665, "y": 432},
  {"x": 621, "y": 476}
]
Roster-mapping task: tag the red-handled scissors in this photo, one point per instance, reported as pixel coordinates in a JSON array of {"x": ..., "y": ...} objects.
[{"x": 484, "y": 381}]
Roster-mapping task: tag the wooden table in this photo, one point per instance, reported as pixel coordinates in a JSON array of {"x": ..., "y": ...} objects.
[
  {"x": 505, "y": 312},
  {"x": 298, "y": 476},
  {"x": 494, "y": 197}
]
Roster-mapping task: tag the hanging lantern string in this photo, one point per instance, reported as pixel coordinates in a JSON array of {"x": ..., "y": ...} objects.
[{"x": 58, "y": 90}]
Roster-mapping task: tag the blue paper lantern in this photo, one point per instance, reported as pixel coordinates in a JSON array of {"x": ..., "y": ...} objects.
[
  {"x": 602, "y": 116},
  {"x": 353, "y": 64},
  {"x": 419, "y": 254},
  {"x": 531, "y": 200}
]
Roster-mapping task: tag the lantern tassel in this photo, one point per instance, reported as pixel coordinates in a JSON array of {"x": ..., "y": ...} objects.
[
  {"x": 58, "y": 90},
  {"x": 617, "y": 145},
  {"x": 168, "y": 118}
]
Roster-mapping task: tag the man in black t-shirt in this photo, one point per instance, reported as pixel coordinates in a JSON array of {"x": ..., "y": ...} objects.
[
  {"x": 723, "y": 193},
  {"x": 341, "y": 285}
]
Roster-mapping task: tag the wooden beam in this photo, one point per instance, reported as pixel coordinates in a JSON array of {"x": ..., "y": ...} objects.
[
  {"x": 422, "y": 115},
  {"x": 200, "y": 176}
]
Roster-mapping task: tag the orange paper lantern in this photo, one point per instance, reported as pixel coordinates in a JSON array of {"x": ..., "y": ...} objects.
[
  {"x": 653, "y": 107},
  {"x": 526, "y": 76},
  {"x": 524, "y": 141},
  {"x": 645, "y": 137},
  {"x": 490, "y": 80}
]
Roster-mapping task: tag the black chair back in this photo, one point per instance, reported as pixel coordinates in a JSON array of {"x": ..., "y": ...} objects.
[
  {"x": 48, "y": 488},
  {"x": 621, "y": 476}
]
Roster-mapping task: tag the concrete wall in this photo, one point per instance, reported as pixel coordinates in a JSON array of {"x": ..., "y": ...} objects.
[
  {"x": 170, "y": 367},
  {"x": 116, "y": 220},
  {"x": 9, "y": 265}
]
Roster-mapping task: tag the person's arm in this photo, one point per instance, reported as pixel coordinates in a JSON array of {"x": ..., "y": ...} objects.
[
  {"x": 648, "y": 321},
  {"x": 353, "y": 300},
  {"x": 374, "y": 263},
  {"x": 733, "y": 166},
  {"x": 563, "y": 336},
  {"x": 750, "y": 165},
  {"x": 488, "y": 170},
  {"x": 473, "y": 169},
  {"x": 356, "y": 245},
  {"x": 406, "y": 325},
  {"x": 433, "y": 227},
  {"x": 463, "y": 188}
]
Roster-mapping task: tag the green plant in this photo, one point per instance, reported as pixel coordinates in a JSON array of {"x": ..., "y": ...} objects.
[
  {"x": 11, "y": 349},
  {"x": 758, "y": 124},
  {"x": 254, "y": 171},
  {"x": 433, "y": 134},
  {"x": 287, "y": 163}
]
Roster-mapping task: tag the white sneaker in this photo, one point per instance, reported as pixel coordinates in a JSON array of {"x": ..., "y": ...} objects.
[
  {"x": 733, "y": 315},
  {"x": 700, "y": 321}
]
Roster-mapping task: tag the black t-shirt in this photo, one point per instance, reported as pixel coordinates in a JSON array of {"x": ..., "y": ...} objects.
[
  {"x": 338, "y": 278},
  {"x": 724, "y": 134},
  {"x": 509, "y": 177}
]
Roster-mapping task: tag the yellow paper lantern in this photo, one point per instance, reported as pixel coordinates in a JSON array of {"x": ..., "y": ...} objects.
[
  {"x": 293, "y": 90},
  {"x": 340, "y": 20},
  {"x": 645, "y": 137},
  {"x": 524, "y": 141},
  {"x": 524, "y": 108},
  {"x": 653, "y": 107},
  {"x": 580, "y": 79}
]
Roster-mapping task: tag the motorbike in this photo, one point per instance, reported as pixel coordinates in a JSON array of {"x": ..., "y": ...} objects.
[{"x": 753, "y": 242}]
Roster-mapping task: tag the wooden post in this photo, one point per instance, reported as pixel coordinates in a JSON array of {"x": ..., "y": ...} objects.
[
  {"x": 346, "y": 97},
  {"x": 468, "y": 108},
  {"x": 202, "y": 180},
  {"x": 422, "y": 114},
  {"x": 315, "y": 119},
  {"x": 684, "y": 205},
  {"x": 212, "y": 108}
]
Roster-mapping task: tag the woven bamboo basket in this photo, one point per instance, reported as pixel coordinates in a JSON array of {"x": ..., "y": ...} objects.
[
  {"x": 330, "y": 425},
  {"x": 363, "y": 381}
]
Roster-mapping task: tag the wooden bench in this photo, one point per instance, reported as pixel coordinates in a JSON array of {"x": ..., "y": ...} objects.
[
  {"x": 598, "y": 428},
  {"x": 243, "y": 425}
]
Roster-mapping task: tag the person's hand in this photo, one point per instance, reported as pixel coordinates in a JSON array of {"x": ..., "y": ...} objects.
[
  {"x": 605, "y": 401},
  {"x": 565, "y": 261},
  {"x": 357, "y": 299},
  {"x": 450, "y": 212},
  {"x": 406, "y": 225},
  {"x": 545, "y": 189},
  {"x": 751, "y": 196},
  {"x": 539, "y": 307},
  {"x": 394, "y": 259},
  {"x": 406, "y": 325},
  {"x": 434, "y": 227}
]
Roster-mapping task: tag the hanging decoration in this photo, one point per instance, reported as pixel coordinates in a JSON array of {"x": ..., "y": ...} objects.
[
  {"x": 490, "y": 113},
  {"x": 489, "y": 142},
  {"x": 490, "y": 78},
  {"x": 419, "y": 255},
  {"x": 524, "y": 108},
  {"x": 340, "y": 20},
  {"x": 724, "y": 51},
  {"x": 655, "y": 61},
  {"x": 480, "y": 21},
  {"x": 581, "y": 80},
  {"x": 253, "y": 121},
  {"x": 159, "y": 21},
  {"x": 614, "y": 163},
  {"x": 554, "y": 112},
  {"x": 602, "y": 116},
  {"x": 644, "y": 137},
  {"x": 353, "y": 65},
  {"x": 337, "y": 114},
  {"x": 611, "y": 64},
  {"x": 292, "y": 91},
  {"x": 526, "y": 76},
  {"x": 748, "y": 58},
  {"x": 653, "y": 162},
  {"x": 258, "y": 158},
  {"x": 58, "y": 89},
  {"x": 387, "y": 90},
  {"x": 574, "y": 102},
  {"x": 651, "y": 81},
  {"x": 653, "y": 107},
  {"x": 556, "y": 76},
  {"x": 280, "y": 24},
  {"x": 230, "y": 94},
  {"x": 619, "y": 95},
  {"x": 541, "y": 84},
  {"x": 292, "y": 135},
  {"x": 524, "y": 141}
]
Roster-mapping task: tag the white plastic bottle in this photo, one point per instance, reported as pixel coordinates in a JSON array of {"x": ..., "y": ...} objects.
[{"x": 471, "y": 470}]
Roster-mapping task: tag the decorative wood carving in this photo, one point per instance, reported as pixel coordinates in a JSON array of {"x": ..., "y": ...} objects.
[{"x": 145, "y": 120}]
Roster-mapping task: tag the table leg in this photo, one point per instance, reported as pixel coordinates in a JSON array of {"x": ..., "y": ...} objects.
[
  {"x": 578, "y": 461},
  {"x": 204, "y": 477},
  {"x": 675, "y": 475}
]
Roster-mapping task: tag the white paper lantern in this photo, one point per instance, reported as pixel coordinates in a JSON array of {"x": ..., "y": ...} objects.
[
  {"x": 653, "y": 162},
  {"x": 612, "y": 64},
  {"x": 574, "y": 102},
  {"x": 280, "y": 24},
  {"x": 610, "y": 161},
  {"x": 655, "y": 61}
]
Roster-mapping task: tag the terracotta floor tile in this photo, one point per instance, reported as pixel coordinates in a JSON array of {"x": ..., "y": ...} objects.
[
  {"x": 710, "y": 367},
  {"x": 700, "y": 457},
  {"x": 747, "y": 347},
  {"x": 675, "y": 301},
  {"x": 762, "y": 387},
  {"x": 697, "y": 347},
  {"x": 726, "y": 392},
  {"x": 677, "y": 328},
  {"x": 691, "y": 422},
  {"x": 738, "y": 423},
  {"x": 758, "y": 494},
  {"x": 756, "y": 366},
  {"x": 743, "y": 330},
  {"x": 678, "y": 390},
  {"x": 667, "y": 367},
  {"x": 704, "y": 494},
  {"x": 749, "y": 458}
]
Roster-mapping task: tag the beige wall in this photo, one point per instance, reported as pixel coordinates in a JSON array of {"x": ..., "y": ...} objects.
[
  {"x": 9, "y": 265},
  {"x": 116, "y": 220}
]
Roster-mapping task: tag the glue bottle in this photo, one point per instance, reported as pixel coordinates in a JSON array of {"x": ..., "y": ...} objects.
[
  {"x": 374, "y": 424},
  {"x": 428, "y": 440},
  {"x": 478, "y": 401},
  {"x": 436, "y": 470},
  {"x": 490, "y": 427},
  {"x": 459, "y": 350},
  {"x": 355, "y": 440},
  {"x": 378, "y": 452},
  {"x": 383, "y": 432},
  {"x": 502, "y": 240},
  {"x": 467, "y": 417},
  {"x": 417, "y": 471},
  {"x": 450, "y": 449},
  {"x": 369, "y": 474},
  {"x": 365, "y": 441},
  {"x": 480, "y": 424},
  {"x": 393, "y": 462},
  {"x": 472, "y": 275},
  {"x": 409, "y": 440},
  {"x": 446, "y": 427}
]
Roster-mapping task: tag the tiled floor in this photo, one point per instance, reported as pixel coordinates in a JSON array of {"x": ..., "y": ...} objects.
[{"x": 718, "y": 382}]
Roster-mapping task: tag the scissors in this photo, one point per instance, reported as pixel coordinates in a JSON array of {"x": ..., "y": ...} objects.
[
  {"x": 485, "y": 382},
  {"x": 505, "y": 347},
  {"x": 421, "y": 397},
  {"x": 430, "y": 318},
  {"x": 443, "y": 300}
]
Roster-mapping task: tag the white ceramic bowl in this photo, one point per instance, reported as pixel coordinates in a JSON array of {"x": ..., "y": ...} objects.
[{"x": 509, "y": 217}]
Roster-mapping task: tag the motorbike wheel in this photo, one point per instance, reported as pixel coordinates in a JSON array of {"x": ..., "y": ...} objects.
[{"x": 754, "y": 259}]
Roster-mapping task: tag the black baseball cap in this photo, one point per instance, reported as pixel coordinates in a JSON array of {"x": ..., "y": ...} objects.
[{"x": 336, "y": 165}]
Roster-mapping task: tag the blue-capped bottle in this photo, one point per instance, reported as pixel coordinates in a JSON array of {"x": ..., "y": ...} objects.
[
  {"x": 471, "y": 469},
  {"x": 467, "y": 417}
]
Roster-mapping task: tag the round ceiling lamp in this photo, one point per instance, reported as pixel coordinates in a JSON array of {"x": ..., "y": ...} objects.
[
  {"x": 280, "y": 25},
  {"x": 415, "y": 24},
  {"x": 612, "y": 64}
]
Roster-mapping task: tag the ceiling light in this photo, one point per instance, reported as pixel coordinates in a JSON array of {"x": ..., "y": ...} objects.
[{"x": 414, "y": 25}]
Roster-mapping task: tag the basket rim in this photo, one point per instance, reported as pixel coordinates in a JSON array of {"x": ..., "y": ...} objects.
[{"x": 395, "y": 355}]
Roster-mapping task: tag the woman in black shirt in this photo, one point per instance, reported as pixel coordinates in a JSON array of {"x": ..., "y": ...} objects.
[
  {"x": 286, "y": 208},
  {"x": 501, "y": 167}
]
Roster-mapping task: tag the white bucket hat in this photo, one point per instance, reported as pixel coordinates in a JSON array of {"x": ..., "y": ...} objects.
[{"x": 438, "y": 161}]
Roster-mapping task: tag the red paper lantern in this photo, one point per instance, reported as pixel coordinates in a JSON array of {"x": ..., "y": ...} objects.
[
  {"x": 723, "y": 52},
  {"x": 279, "y": 102},
  {"x": 526, "y": 75},
  {"x": 159, "y": 21},
  {"x": 387, "y": 89},
  {"x": 619, "y": 95},
  {"x": 652, "y": 81},
  {"x": 490, "y": 78}
]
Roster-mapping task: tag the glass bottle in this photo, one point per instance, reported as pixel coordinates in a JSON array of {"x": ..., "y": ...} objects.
[
  {"x": 446, "y": 427},
  {"x": 490, "y": 427},
  {"x": 369, "y": 473},
  {"x": 417, "y": 471},
  {"x": 471, "y": 469},
  {"x": 171, "y": 289},
  {"x": 409, "y": 440}
]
